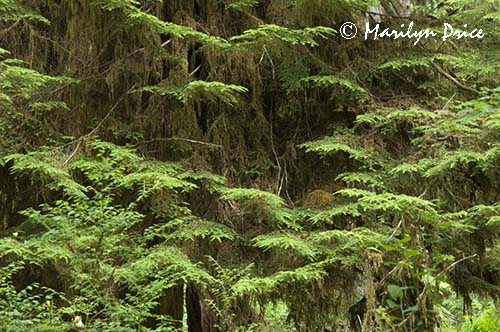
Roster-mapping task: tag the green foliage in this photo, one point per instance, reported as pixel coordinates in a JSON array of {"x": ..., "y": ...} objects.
[
  {"x": 286, "y": 242},
  {"x": 20, "y": 85},
  {"x": 111, "y": 227},
  {"x": 427, "y": 195},
  {"x": 200, "y": 90},
  {"x": 269, "y": 32},
  {"x": 23, "y": 81},
  {"x": 12, "y": 10},
  {"x": 46, "y": 167},
  {"x": 328, "y": 215},
  {"x": 94, "y": 243},
  {"x": 399, "y": 63},
  {"x": 22, "y": 310},
  {"x": 329, "y": 145},
  {"x": 136, "y": 17},
  {"x": 237, "y": 4},
  {"x": 390, "y": 120},
  {"x": 192, "y": 228},
  {"x": 485, "y": 318},
  {"x": 331, "y": 81},
  {"x": 307, "y": 273},
  {"x": 268, "y": 205}
]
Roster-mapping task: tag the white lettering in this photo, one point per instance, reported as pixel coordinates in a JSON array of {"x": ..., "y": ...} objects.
[
  {"x": 446, "y": 32},
  {"x": 368, "y": 31}
]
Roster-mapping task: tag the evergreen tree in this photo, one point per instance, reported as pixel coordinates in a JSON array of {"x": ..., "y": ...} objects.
[{"x": 236, "y": 165}]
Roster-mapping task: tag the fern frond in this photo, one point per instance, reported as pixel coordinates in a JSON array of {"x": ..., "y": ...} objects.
[
  {"x": 333, "y": 81},
  {"x": 12, "y": 10},
  {"x": 166, "y": 261},
  {"x": 395, "y": 203},
  {"x": 269, "y": 32},
  {"x": 209, "y": 91},
  {"x": 47, "y": 167},
  {"x": 192, "y": 228},
  {"x": 330, "y": 145},
  {"x": 286, "y": 241},
  {"x": 238, "y": 4},
  {"x": 135, "y": 16},
  {"x": 307, "y": 273},
  {"x": 260, "y": 201}
]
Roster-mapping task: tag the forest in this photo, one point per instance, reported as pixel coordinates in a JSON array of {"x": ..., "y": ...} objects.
[{"x": 249, "y": 165}]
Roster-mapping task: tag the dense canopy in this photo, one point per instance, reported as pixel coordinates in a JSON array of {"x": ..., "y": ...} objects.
[{"x": 246, "y": 165}]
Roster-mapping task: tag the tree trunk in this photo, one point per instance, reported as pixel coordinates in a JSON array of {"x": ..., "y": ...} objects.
[{"x": 200, "y": 317}]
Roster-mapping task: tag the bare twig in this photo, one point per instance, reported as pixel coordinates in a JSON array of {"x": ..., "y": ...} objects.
[
  {"x": 183, "y": 140},
  {"x": 452, "y": 265},
  {"x": 360, "y": 81},
  {"x": 12, "y": 26},
  {"x": 270, "y": 60},
  {"x": 72, "y": 154},
  {"x": 381, "y": 282},
  {"x": 449, "y": 101},
  {"x": 453, "y": 79},
  {"x": 262, "y": 56},
  {"x": 395, "y": 229},
  {"x": 166, "y": 43},
  {"x": 196, "y": 142},
  {"x": 449, "y": 267},
  {"x": 70, "y": 54},
  {"x": 278, "y": 183},
  {"x": 195, "y": 70},
  {"x": 79, "y": 141},
  {"x": 99, "y": 125}
]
